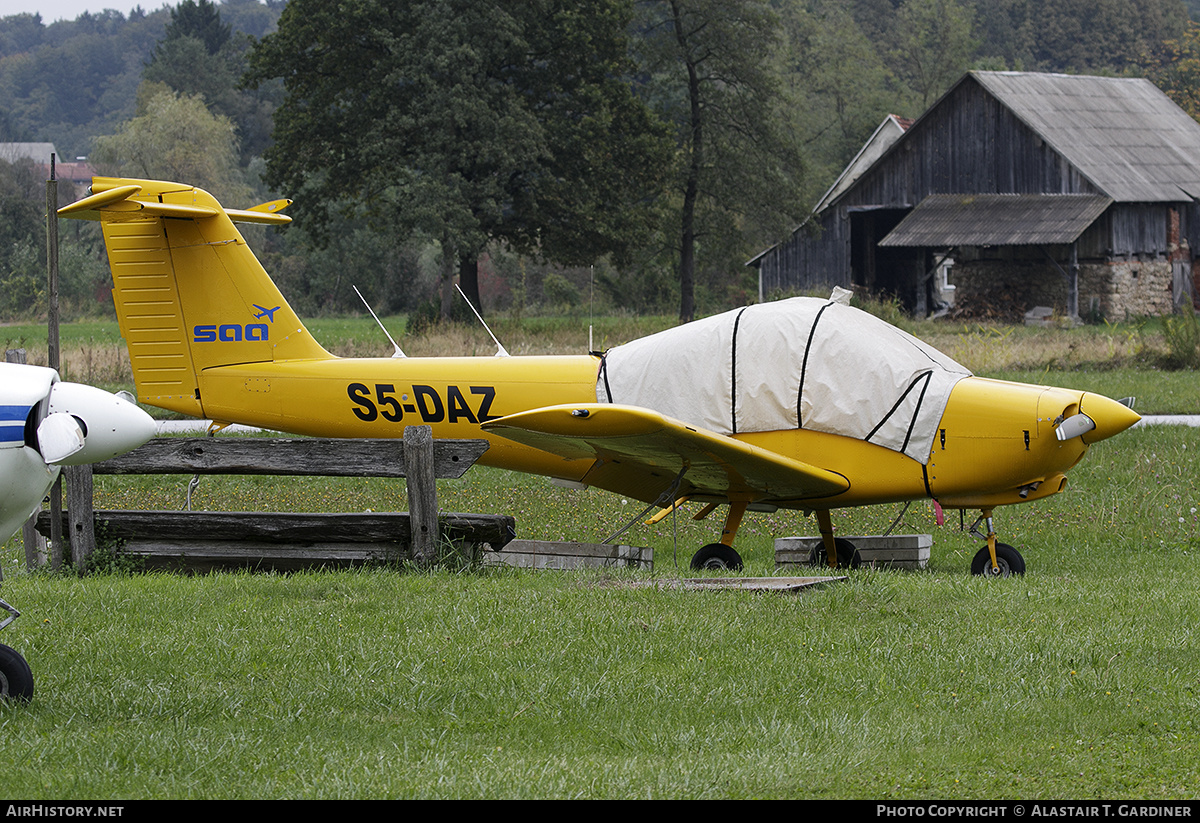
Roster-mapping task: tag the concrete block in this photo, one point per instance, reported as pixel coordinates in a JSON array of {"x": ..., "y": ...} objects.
[
  {"x": 899, "y": 551},
  {"x": 548, "y": 554}
]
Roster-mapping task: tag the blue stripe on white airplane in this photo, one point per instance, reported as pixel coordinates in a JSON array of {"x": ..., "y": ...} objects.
[{"x": 12, "y": 424}]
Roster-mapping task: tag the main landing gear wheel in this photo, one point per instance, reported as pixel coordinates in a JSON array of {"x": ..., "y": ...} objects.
[
  {"x": 847, "y": 555},
  {"x": 16, "y": 679},
  {"x": 1008, "y": 560},
  {"x": 717, "y": 556}
]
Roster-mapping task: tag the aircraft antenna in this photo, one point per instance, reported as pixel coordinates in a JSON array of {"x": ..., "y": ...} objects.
[
  {"x": 591, "y": 300},
  {"x": 398, "y": 352},
  {"x": 500, "y": 350}
]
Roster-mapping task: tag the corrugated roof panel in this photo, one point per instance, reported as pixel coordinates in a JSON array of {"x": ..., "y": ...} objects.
[
  {"x": 1123, "y": 134},
  {"x": 942, "y": 220}
]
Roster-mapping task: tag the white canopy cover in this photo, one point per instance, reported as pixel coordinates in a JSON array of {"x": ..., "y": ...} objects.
[{"x": 798, "y": 363}]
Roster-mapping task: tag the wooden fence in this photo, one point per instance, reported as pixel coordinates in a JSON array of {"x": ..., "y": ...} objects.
[{"x": 198, "y": 540}]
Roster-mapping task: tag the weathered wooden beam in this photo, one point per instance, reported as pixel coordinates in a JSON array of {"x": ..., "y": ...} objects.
[
  {"x": 79, "y": 530},
  {"x": 320, "y": 457},
  {"x": 319, "y": 538},
  {"x": 201, "y": 540},
  {"x": 422, "y": 494}
]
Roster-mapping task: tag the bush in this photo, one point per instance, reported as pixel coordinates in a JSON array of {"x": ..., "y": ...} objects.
[{"x": 1182, "y": 335}]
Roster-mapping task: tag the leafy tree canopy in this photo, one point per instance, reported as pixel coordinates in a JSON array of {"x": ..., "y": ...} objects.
[
  {"x": 200, "y": 20},
  {"x": 175, "y": 137},
  {"x": 717, "y": 73},
  {"x": 1177, "y": 70},
  {"x": 466, "y": 121}
]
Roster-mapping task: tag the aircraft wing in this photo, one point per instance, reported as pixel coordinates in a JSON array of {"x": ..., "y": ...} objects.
[{"x": 639, "y": 452}]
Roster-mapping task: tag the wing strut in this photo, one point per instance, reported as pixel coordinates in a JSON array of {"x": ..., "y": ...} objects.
[{"x": 667, "y": 498}]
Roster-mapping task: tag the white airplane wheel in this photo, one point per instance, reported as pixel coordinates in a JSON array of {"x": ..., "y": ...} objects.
[
  {"x": 717, "y": 556},
  {"x": 16, "y": 679},
  {"x": 1008, "y": 560}
]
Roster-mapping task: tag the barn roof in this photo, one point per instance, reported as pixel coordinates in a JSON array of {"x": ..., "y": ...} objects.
[
  {"x": 1124, "y": 136},
  {"x": 1131, "y": 140},
  {"x": 997, "y": 220},
  {"x": 888, "y": 132}
]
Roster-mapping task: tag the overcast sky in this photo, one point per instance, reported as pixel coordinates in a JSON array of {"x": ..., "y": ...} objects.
[{"x": 52, "y": 10}]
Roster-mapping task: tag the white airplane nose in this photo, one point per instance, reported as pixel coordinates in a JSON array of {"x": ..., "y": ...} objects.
[{"x": 111, "y": 425}]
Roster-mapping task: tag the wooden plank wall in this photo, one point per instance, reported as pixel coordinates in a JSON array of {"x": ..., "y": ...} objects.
[{"x": 969, "y": 144}]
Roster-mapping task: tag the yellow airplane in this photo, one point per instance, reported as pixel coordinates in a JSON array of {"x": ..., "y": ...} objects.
[{"x": 801, "y": 404}]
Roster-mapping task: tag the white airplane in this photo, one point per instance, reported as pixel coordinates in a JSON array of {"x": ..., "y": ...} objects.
[{"x": 46, "y": 424}]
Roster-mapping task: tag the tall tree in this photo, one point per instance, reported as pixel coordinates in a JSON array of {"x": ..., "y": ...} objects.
[
  {"x": 840, "y": 86},
  {"x": 466, "y": 122},
  {"x": 199, "y": 55},
  {"x": 717, "y": 77},
  {"x": 199, "y": 19},
  {"x": 22, "y": 232},
  {"x": 1095, "y": 35},
  {"x": 934, "y": 45},
  {"x": 1177, "y": 70},
  {"x": 176, "y": 138}
]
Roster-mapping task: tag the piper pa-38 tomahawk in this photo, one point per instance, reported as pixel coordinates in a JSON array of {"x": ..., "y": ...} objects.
[
  {"x": 46, "y": 424},
  {"x": 803, "y": 404}
]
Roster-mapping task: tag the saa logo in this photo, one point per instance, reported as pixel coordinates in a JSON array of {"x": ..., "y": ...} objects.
[{"x": 234, "y": 332}]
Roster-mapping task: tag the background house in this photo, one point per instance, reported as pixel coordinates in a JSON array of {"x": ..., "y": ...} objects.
[
  {"x": 77, "y": 172},
  {"x": 1067, "y": 191}
]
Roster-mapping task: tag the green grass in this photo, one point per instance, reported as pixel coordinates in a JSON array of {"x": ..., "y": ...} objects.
[
  {"x": 1156, "y": 391},
  {"x": 1076, "y": 681},
  {"x": 33, "y": 335}
]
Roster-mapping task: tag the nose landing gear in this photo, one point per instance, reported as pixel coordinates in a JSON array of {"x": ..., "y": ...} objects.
[{"x": 994, "y": 559}]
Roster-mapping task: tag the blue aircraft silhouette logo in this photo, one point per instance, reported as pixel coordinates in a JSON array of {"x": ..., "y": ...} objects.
[{"x": 267, "y": 313}]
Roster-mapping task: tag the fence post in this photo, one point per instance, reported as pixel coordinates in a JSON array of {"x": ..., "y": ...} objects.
[
  {"x": 422, "y": 493},
  {"x": 81, "y": 534}
]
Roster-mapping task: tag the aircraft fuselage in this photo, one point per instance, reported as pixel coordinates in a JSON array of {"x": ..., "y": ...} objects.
[{"x": 996, "y": 443}]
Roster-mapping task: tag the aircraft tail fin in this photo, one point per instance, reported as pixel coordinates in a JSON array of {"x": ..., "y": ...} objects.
[{"x": 190, "y": 294}]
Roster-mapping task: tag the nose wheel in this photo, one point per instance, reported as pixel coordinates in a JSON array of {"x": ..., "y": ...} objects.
[
  {"x": 1008, "y": 562},
  {"x": 994, "y": 559}
]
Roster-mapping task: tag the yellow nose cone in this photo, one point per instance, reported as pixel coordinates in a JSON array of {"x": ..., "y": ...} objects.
[{"x": 1110, "y": 416}]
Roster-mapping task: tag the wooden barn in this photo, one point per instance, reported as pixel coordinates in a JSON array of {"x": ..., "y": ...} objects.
[{"x": 1072, "y": 192}]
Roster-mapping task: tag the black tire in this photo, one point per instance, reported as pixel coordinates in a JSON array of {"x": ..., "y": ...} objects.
[
  {"x": 847, "y": 555},
  {"x": 16, "y": 679},
  {"x": 1007, "y": 558},
  {"x": 717, "y": 556}
]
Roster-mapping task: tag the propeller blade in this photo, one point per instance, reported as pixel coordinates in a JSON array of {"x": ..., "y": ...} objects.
[
  {"x": 59, "y": 437},
  {"x": 1074, "y": 426}
]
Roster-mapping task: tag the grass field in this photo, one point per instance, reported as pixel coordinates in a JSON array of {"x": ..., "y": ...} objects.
[{"x": 1078, "y": 680}]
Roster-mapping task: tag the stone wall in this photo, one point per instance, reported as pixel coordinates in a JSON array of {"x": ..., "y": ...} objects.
[
  {"x": 1125, "y": 289},
  {"x": 1113, "y": 291}
]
